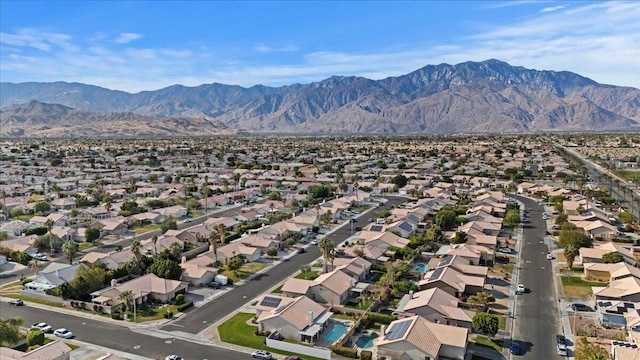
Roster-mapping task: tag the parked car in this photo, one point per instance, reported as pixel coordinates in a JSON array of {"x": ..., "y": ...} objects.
[
  {"x": 561, "y": 345},
  {"x": 42, "y": 326},
  {"x": 173, "y": 357},
  {"x": 505, "y": 250},
  {"x": 261, "y": 354},
  {"x": 213, "y": 285},
  {"x": 186, "y": 221},
  {"x": 358, "y": 228},
  {"x": 302, "y": 251},
  {"x": 514, "y": 348},
  {"x": 63, "y": 333},
  {"x": 291, "y": 357},
  {"x": 16, "y": 302},
  {"x": 314, "y": 242},
  {"x": 39, "y": 256},
  {"x": 521, "y": 288},
  {"x": 549, "y": 256},
  {"x": 581, "y": 307}
]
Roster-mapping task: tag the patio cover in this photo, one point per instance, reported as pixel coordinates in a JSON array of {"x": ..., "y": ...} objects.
[{"x": 311, "y": 331}]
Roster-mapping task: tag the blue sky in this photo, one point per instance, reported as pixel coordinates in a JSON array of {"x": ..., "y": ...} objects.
[{"x": 138, "y": 45}]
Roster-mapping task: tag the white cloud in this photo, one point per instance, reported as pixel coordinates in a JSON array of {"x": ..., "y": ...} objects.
[
  {"x": 125, "y": 38},
  {"x": 597, "y": 40},
  {"x": 552, "y": 8}
]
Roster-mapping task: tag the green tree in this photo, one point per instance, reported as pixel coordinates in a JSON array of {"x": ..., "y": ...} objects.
[
  {"x": 305, "y": 269},
  {"x": 584, "y": 350},
  {"x": 91, "y": 234},
  {"x": 626, "y": 217},
  {"x": 9, "y": 333},
  {"x": 49, "y": 224},
  {"x": 570, "y": 252},
  {"x": 70, "y": 249},
  {"x": 316, "y": 193},
  {"x": 511, "y": 219},
  {"x": 569, "y": 235},
  {"x": 327, "y": 248},
  {"x": 42, "y": 207},
  {"x": 399, "y": 180},
  {"x": 168, "y": 224},
  {"x": 446, "y": 219},
  {"x": 127, "y": 299},
  {"x": 459, "y": 238},
  {"x": 272, "y": 251},
  {"x": 612, "y": 258},
  {"x": 235, "y": 264},
  {"x": 88, "y": 279},
  {"x": 166, "y": 269},
  {"x": 35, "y": 337},
  {"x": 486, "y": 323},
  {"x": 274, "y": 195}
]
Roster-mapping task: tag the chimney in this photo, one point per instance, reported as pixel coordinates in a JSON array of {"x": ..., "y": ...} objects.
[
  {"x": 114, "y": 282},
  {"x": 183, "y": 260},
  {"x": 410, "y": 294},
  {"x": 311, "y": 317},
  {"x": 58, "y": 273},
  {"x": 383, "y": 328}
]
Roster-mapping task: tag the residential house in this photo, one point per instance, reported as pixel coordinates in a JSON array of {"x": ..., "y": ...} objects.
[
  {"x": 195, "y": 274},
  {"x": 55, "y": 350},
  {"x": 111, "y": 226},
  {"x": 609, "y": 272},
  {"x": 176, "y": 211},
  {"x": 259, "y": 241},
  {"x": 594, "y": 255},
  {"x": 437, "y": 306},
  {"x": 142, "y": 288},
  {"x": 452, "y": 281},
  {"x": 418, "y": 338},
  {"x": 247, "y": 253},
  {"x": 626, "y": 289},
  {"x": 66, "y": 203},
  {"x": 112, "y": 260},
  {"x": 330, "y": 288},
  {"x": 356, "y": 267},
  {"x": 300, "y": 319},
  {"x": 14, "y": 227},
  {"x": 51, "y": 277}
]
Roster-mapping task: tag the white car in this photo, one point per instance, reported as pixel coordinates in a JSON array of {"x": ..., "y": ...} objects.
[
  {"x": 63, "y": 333},
  {"x": 43, "y": 326},
  {"x": 261, "y": 354},
  {"x": 173, "y": 357},
  {"x": 549, "y": 256},
  {"x": 521, "y": 288},
  {"x": 314, "y": 242},
  {"x": 505, "y": 250},
  {"x": 39, "y": 256}
]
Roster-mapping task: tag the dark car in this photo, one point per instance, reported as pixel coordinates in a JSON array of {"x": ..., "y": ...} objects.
[
  {"x": 16, "y": 302},
  {"x": 302, "y": 251},
  {"x": 358, "y": 228},
  {"x": 581, "y": 307},
  {"x": 213, "y": 285},
  {"x": 514, "y": 348}
]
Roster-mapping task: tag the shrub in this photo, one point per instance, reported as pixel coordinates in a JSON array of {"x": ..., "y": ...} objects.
[
  {"x": 35, "y": 337},
  {"x": 116, "y": 316},
  {"x": 366, "y": 355},
  {"x": 345, "y": 351},
  {"x": 380, "y": 318},
  {"x": 168, "y": 315},
  {"x": 184, "y": 306},
  {"x": 180, "y": 299},
  {"x": 229, "y": 281},
  {"x": 25, "y": 281}
]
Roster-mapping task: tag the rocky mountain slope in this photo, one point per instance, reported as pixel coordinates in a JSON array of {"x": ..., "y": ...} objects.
[{"x": 488, "y": 96}]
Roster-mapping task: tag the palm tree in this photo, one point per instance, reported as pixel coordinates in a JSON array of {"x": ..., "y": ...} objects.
[
  {"x": 327, "y": 248},
  {"x": 205, "y": 193},
  {"x": 49, "y": 224},
  {"x": 570, "y": 252},
  {"x": 70, "y": 248},
  {"x": 127, "y": 297},
  {"x": 135, "y": 248},
  {"x": 154, "y": 240}
]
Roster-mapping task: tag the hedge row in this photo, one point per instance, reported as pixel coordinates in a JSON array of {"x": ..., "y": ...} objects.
[
  {"x": 184, "y": 306},
  {"x": 345, "y": 351}
]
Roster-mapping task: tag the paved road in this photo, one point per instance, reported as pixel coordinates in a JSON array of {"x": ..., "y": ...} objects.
[
  {"x": 201, "y": 318},
  {"x": 119, "y": 337},
  {"x": 537, "y": 319}
]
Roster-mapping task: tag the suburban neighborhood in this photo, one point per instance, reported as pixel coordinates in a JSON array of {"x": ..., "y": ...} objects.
[{"x": 321, "y": 248}]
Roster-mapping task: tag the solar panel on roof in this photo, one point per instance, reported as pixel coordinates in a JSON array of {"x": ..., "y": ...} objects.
[
  {"x": 398, "y": 330},
  {"x": 376, "y": 228},
  {"x": 436, "y": 274},
  {"x": 270, "y": 302}
]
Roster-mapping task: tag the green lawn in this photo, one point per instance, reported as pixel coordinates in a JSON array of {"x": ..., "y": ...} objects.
[
  {"x": 35, "y": 300},
  {"x": 195, "y": 214},
  {"x": 25, "y": 217},
  {"x": 25, "y": 348},
  {"x": 278, "y": 290},
  {"x": 575, "y": 287},
  {"x": 244, "y": 271},
  {"x": 490, "y": 343},
  {"x": 85, "y": 245},
  {"x": 503, "y": 321},
  {"x": 150, "y": 313},
  {"x": 145, "y": 228},
  {"x": 307, "y": 275},
  {"x": 507, "y": 268},
  {"x": 237, "y": 331}
]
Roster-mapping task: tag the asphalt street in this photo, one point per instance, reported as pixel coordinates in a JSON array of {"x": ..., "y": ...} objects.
[
  {"x": 537, "y": 319},
  {"x": 118, "y": 337},
  {"x": 201, "y": 318}
]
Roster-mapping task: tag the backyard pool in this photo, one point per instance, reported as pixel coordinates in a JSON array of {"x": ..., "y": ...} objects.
[
  {"x": 335, "y": 333},
  {"x": 420, "y": 267},
  {"x": 366, "y": 341}
]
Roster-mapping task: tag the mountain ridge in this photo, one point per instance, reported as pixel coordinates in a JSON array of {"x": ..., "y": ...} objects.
[{"x": 466, "y": 97}]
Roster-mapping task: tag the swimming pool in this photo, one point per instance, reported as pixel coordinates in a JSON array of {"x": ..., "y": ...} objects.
[
  {"x": 420, "y": 267},
  {"x": 336, "y": 332},
  {"x": 366, "y": 341}
]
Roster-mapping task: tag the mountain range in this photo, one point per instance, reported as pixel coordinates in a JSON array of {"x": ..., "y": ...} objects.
[{"x": 470, "y": 97}]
